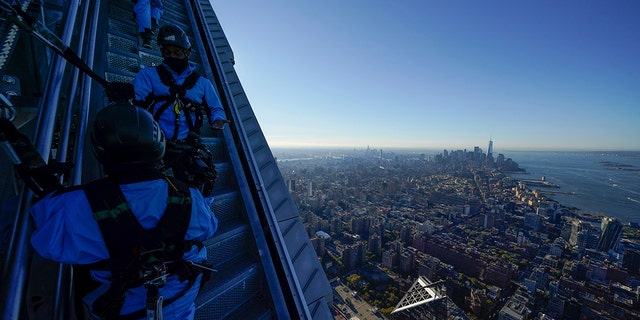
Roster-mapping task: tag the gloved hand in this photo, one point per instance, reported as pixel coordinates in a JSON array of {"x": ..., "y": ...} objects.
[{"x": 219, "y": 124}]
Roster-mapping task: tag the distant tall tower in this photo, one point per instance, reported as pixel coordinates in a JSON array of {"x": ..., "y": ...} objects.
[{"x": 490, "y": 151}]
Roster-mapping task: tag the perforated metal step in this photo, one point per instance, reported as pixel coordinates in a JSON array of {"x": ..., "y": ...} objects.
[{"x": 238, "y": 279}]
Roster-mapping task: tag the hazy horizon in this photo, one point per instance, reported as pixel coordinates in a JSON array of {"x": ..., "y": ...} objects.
[
  {"x": 439, "y": 149},
  {"x": 541, "y": 75}
]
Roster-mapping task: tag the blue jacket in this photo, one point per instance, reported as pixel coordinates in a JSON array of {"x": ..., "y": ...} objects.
[
  {"x": 67, "y": 232},
  {"x": 147, "y": 82}
]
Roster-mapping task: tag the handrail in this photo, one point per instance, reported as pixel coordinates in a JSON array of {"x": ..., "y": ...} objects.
[
  {"x": 66, "y": 123},
  {"x": 14, "y": 275},
  {"x": 83, "y": 119},
  {"x": 49, "y": 104},
  {"x": 64, "y": 286}
]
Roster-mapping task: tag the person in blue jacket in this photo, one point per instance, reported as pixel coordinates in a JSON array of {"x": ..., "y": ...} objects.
[
  {"x": 180, "y": 102},
  {"x": 180, "y": 99},
  {"x": 138, "y": 232},
  {"x": 147, "y": 14}
]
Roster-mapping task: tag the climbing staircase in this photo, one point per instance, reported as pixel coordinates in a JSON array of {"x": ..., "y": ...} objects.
[
  {"x": 247, "y": 283},
  {"x": 265, "y": 265}
]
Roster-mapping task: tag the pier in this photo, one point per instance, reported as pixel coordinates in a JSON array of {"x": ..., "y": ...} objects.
[
  {"x": 540, "y": 183},
  {"x": 557, "y": 192}
]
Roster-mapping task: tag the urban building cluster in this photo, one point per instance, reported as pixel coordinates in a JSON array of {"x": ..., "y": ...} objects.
[{"x": 500, "y": 247}]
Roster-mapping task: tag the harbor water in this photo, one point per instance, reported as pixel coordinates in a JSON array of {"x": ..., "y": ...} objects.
[{"x": 604, "y": 183}]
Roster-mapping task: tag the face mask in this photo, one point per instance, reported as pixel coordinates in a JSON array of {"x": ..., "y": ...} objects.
[{"x": 177, "y": 65}]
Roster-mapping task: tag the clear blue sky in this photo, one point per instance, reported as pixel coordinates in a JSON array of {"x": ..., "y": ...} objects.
[{"x": 539, "y": 75}]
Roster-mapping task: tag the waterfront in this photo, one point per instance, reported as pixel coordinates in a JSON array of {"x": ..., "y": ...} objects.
[
  {"x": 606, "y": 183},
  {"x": 603, "y": 183},
  {"x": 387, "y": 216}
]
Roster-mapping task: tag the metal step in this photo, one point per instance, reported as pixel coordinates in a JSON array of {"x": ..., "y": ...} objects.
[
  {"x": 231, "y": 251},
  {"x": 235, "y": 283},
  {"x": 304, "y": 272},
  {"x": 227, "y": 206},
  {"x": 256, "y": 309}
]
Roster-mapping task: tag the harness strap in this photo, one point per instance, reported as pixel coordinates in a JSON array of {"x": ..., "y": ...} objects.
[
  {"x": 176, "y": 99},
  {"x": 131, "y": 247},
  {"x": 169, "y": 81},
  {"x": 103, "y": 265},
  {"x": 142, "y": 312},
  {"x": 190, "y": 124}
]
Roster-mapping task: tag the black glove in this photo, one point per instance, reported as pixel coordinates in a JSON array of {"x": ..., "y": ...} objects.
[{"x": 120, "y": 91}]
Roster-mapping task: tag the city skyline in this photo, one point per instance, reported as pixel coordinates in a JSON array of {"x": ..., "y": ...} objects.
[{"x": 530, "y": 75}]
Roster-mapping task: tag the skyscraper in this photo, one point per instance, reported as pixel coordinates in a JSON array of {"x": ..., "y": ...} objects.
[
  {"x": 611, "y": 232},
  {"x": 490, "y": 150}
]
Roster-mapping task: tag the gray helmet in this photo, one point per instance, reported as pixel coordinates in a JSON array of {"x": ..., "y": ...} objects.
[
  {"x": 126, "y": 134},
  {"x": 172, "y": 35}
]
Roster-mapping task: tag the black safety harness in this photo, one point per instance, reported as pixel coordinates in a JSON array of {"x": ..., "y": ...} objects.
[
  {"x": 177, "y": 100},
  {"x": 191, "y": 161},
  {"x": 139, "y": 256}
]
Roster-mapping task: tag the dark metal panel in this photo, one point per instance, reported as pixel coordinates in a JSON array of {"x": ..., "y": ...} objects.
[
  {"x": 320, "y": 310},
  {"x": 313, "y": 280}
]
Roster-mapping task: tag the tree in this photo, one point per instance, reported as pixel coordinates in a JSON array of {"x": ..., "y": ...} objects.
[{"x": 353, "y": 279}]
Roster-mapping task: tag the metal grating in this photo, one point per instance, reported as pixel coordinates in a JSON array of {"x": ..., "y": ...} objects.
[
  {"x": 216, "y": 146},
  {"x": 174, "y": 12},
  {"x": 147, "y": 59},
  {"x": 235, "y": 296},
  {"x": 122, "y": 44},
  {"x": 126, "y": 13},
  {"x": 224, "y": 176},
  {"x": 228, "y": 248},
  {"x": 114, "y": 77},
  {"x": 122, "y": 27},
  {"x": 123, "y": 63},
  {"x": 169, "y": 15},
  {"x": 227, "y": 206}
]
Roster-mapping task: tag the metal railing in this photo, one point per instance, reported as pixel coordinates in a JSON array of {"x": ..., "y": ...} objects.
[{"x": 18, "y": 259}]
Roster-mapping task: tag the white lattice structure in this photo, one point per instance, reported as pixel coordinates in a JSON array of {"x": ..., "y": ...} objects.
[{"x": 422, "y": 291}]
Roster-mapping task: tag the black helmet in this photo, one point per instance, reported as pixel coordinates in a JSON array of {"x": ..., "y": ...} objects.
[
  {"x": 172, "y": 35},
  {"x": 126, "y": 134}
]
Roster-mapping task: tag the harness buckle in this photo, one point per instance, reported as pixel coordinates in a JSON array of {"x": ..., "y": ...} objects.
[
  {"x": 176, "y": 107},
  {"x": 157, "y": 276}
]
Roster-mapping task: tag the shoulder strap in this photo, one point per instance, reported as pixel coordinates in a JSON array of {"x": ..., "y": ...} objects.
[
  {"x": 191, "y": 80},
  {"x": 115, "y": 218},
  {"x": 165, "y": 76},
  {"x": 113, "y": 214},
  {"x": 116, "y": 222},
  {"x": 131, "y": 247},
  {"x": 177, "y": 95},
  {"x": 169, "y": 81},
  {"x": 174, "y": 223}
]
